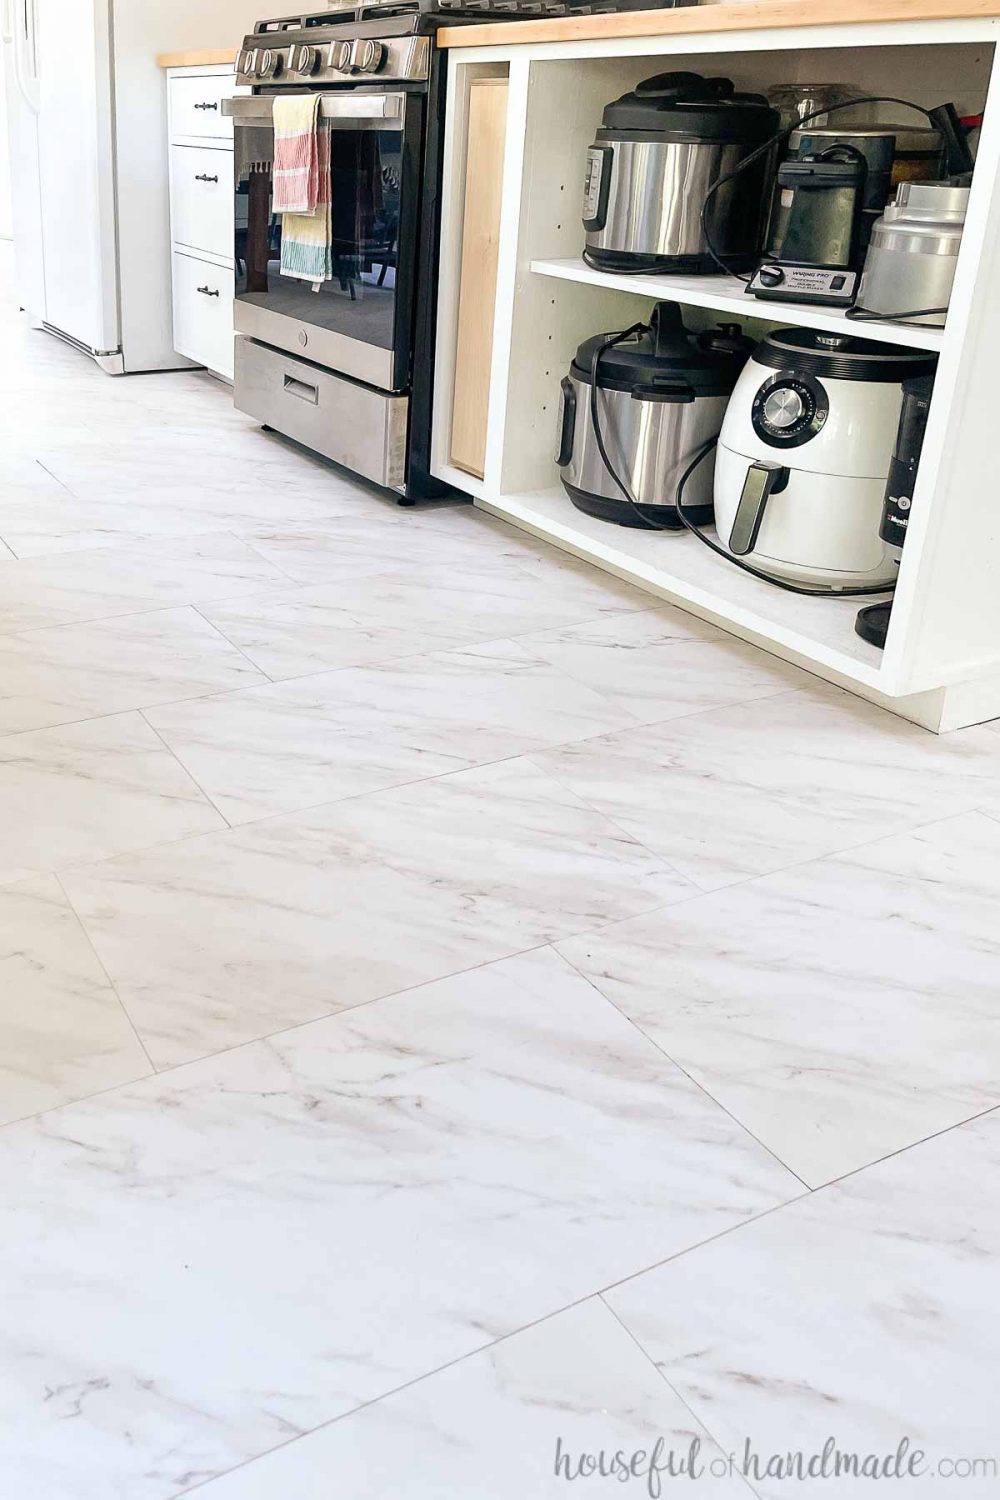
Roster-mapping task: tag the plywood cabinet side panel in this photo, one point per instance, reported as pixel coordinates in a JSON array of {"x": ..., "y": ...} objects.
[{"x": 488, "y": 99}]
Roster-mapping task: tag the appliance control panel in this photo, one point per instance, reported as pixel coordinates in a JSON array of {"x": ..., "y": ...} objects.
[
  {"x": 789, "y": 409},
  {"x": 832, "y": 286},
  {"x": 306, "y": 61}
]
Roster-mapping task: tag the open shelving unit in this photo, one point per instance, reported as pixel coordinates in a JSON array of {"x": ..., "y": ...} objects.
[
  {"x": 941, "y": 665},
  {"x": 728, "y": 295}
]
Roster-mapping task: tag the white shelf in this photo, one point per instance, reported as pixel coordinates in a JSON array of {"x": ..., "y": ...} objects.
[
  {"x": 727, "y": 294},
  {"x": 677, "y": 567}
]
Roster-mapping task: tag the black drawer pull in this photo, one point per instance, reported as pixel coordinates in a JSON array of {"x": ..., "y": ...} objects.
[
  {"x": 207, "y": 106},
  {"x": 204, "y": 177},
  {"x": 206, "y": 291}
]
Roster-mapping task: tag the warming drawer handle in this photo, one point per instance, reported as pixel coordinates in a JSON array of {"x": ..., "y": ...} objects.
[
  {"x": 204, "y": 177},
  {"x": 206, "y": 291},
  {"x": 213, "y": 105},
  {"x": 302, "y": 389}
]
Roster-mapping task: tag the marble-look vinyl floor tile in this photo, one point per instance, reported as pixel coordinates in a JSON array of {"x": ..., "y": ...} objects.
[
  {"x": 375, "y": 540},
  {"x": 663, "y": 663},
  {"x": 231, "y": 936},
  {"x": 90, "y": 790},
  {"x": 367, "y": 619},
  {"x": 867, "y": 1312},
  {"x": 126, "y": 579},
  {"x": 70, "y": 672},
  {"x": 335, "y": 734},
  {"x": 222, "y": 1257},
  {"x": 840, "y": 1010},
  {"x": 513, "y": 1422},
  {"x": 755, "y": 787},
  {"x": 66, "y": 523},
  {"x": 63, "y": 1032}
]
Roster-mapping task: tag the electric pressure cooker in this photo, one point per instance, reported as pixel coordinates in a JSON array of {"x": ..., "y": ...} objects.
[
  {"x": 658, "y": 151},
  {"x": 804, "y": 453},
  {"x": 660, "y": 399}
]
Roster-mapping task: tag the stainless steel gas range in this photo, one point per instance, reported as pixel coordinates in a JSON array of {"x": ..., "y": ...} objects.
[{"x": 344, "y": 365}]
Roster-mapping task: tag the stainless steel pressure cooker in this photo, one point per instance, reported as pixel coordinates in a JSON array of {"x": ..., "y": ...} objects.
[
  {"x": 658, "y": 399},
  {"x": 654, "y": 158}
]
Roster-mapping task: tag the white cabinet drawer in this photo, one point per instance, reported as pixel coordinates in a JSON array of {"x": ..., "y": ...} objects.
[
  {"x": 203, "y": 312},
  {"x": 201, "y": 198},
  {"x": 196, "y": 106}
]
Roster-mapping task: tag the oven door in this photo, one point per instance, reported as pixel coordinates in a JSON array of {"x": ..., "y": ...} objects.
[{"x": 357, "y": 320}]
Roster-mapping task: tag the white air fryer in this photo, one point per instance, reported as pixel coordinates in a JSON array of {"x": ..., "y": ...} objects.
[{"x": 804, "y": 453}]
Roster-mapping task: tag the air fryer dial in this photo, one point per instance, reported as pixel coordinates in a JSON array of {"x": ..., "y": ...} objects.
[{"x": 789, "y": 409}]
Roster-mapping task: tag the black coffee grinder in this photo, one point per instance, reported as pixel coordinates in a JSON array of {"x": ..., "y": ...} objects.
[{"x": 872, "y": 624}]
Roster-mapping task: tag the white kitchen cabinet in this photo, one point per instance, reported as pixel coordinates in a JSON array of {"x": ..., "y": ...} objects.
[
  {"x": 941, "y": 663},
  {"x": 201, "y": 214}
]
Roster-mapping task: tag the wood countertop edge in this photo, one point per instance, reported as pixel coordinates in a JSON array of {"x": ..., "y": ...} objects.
[
  {"x": 740, "y": 15},
  {"x": 207, "y": 57}
]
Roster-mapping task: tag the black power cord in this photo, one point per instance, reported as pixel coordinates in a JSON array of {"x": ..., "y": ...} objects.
[
  {"x": 861, "y": 315},
  {"x": 637, "y": 330}
]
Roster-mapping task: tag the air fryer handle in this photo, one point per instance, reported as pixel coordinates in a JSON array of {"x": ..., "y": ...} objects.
[
  {"x": 758, "y": 483},
  {"x": 567, "y": 422}
]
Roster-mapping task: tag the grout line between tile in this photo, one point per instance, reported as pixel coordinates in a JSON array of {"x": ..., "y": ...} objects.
[
  {"x": 719, "y": 1443},
  {"x": 674, "y": 1062},
  {"x": 114, "y": 990},
  {"x": 598, "y": 1294}
]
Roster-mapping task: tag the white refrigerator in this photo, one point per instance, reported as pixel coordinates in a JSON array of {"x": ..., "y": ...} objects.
[{"x": 87, "y": 134}]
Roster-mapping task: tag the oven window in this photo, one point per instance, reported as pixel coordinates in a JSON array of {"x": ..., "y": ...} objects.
[{"x": 356, "y": 295}]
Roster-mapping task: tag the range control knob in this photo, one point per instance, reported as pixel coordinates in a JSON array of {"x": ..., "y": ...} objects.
[
  {"x": 339, "y": 57},
  {"x": 269, "y": 64},
  {"x": 770, "y": 275},
  {"x": 247, "y": 64},
  {"x": 783, "y": 408},
  {"x": 367, "y": 56},
  {"x": 305, "y": 59}
]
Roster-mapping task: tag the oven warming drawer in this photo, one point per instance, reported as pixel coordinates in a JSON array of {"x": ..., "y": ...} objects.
[{"x": 362, "y": 429}]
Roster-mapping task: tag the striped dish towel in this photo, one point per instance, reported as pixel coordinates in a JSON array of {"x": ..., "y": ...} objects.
[
  {"x": 301, "y": 187},
  {"x": 306, "y": 239},
  {"x": 296, "y": 166}
]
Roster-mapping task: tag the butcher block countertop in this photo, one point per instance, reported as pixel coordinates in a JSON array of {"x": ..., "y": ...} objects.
[
  {"x": 208, "y": 57},
  {"x": 742, "y": 15}
]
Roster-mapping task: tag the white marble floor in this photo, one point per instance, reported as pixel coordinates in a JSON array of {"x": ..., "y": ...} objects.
[{"x": 467, "y": 1030}]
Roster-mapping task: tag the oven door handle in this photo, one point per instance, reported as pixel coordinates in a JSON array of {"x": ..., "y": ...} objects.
[{"x": 340, "y": 111}]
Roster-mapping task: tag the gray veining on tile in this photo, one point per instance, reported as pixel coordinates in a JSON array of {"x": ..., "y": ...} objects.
[
  {"x": 107, "y": 581},
  {"x": 335, "y": 734},
  {"x": 755, "y": 787},
  {"x": 222, "y": 1257},
  {"x": 231, "y": 936},
  {"x": 867, "y": 1312},
  {"x": 358, "y": 620},
  {"x": 841, "y": 1010},
  {"x": 517, "y": 1421},
  {"x": 70, "y": 672},
  {"x": 63, "y": 1033},
  {"x": 662, "y": 664},
  {"x": 86, "y": 791}
]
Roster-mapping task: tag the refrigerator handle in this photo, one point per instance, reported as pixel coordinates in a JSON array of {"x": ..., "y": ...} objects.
[
  {"x": 25, "y": 52},
  {"x": 7, "y": 22}
]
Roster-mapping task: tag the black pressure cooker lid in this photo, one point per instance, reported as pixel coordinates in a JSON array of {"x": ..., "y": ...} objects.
[
  {"x": 666, "y": 360},
  {"x": 840, "y": 356},
  {"x": 688, "y": 107}
]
